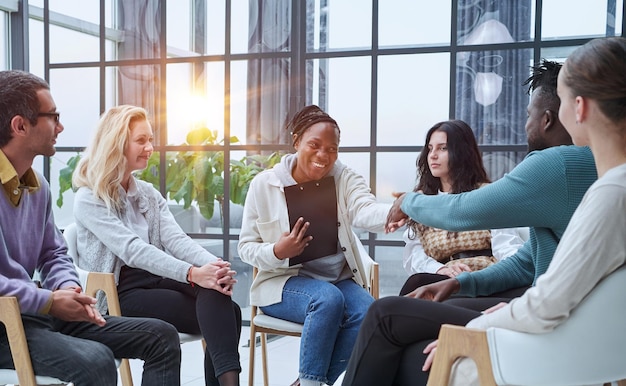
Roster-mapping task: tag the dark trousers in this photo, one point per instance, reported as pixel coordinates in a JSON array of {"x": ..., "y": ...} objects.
[
  {"x": 84, "y": 353},
  {"x": 192, "y": 310},
  {"x": 396, "y": 329}
]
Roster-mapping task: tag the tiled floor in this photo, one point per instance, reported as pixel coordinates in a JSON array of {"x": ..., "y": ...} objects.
[{"x": 282, "y": 357}]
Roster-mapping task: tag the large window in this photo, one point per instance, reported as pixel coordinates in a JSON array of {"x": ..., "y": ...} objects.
[{"x": 386, "y": 70}]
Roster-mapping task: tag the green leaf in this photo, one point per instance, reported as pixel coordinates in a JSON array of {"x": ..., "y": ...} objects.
[
  {"x": 65, "y": 177},
  {"x": 199, "y": 136}
]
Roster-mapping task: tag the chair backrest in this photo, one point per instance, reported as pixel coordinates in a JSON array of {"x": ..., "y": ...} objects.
[
  {"x": 71, "y": 238},
  {"x": 588, "y": 348}
]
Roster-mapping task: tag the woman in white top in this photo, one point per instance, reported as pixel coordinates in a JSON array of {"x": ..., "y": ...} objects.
[{"x": 451, "y": 163}]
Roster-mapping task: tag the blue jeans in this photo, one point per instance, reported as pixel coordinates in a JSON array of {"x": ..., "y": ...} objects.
[
  {"x": 84, "y": 353},
  {"x": 331, "y": 314}
]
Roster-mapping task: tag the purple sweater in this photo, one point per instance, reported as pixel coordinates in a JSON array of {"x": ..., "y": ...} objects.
[{"x": 29, "y": 241}]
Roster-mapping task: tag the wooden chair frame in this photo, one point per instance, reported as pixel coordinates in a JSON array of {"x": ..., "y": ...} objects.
[
  {"x": 114, "y": 304},
  {"x": 11, "y": 317},
  {"x": 459, "y": 342}
]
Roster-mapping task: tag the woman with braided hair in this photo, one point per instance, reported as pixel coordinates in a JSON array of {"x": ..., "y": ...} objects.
[{"x": 327, "y": 294}]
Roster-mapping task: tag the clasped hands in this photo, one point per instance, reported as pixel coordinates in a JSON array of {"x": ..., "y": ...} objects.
[
  {"x": 215, "y": 275},
  {"x": 72, "y": 305}
]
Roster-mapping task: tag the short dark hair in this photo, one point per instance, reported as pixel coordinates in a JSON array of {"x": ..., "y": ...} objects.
[
  {"x": 305, "y": 118},
  {"x": 18, "y": 96}
]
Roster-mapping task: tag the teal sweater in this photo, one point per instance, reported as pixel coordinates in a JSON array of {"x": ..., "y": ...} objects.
[{"x": 542, "y": 193}]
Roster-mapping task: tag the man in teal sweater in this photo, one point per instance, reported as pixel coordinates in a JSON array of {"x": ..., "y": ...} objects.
[{"x": 542, "y": 193}]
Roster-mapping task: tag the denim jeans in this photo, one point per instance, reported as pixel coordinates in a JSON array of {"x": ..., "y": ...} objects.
[
  {"x": 331, "y": 314},
  {"x": 84, "y": 353}
]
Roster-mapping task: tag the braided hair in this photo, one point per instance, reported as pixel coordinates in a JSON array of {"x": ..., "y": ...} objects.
[{"x": 306, "y": 118}]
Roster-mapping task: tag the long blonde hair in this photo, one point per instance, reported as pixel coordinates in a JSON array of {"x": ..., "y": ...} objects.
[{"x": 103, "y": 164}]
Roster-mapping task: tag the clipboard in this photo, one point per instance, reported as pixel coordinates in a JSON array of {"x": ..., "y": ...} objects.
[{"x": 316, "y": 202}]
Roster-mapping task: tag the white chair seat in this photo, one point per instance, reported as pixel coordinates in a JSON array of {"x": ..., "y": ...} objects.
[
  {"x": 9, "y": 377},
  {"x": 588, "y": 348},
  {"x": 266, "y": 321},
  {"x": 184, "y": 338}
]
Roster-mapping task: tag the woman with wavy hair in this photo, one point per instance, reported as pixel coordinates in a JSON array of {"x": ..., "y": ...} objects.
[
  {"x": 451, "y": 163},
  {"x": 125, "y": 227}
]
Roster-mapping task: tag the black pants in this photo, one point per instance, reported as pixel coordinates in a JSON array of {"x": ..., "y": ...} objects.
[
  {"x": 192, "y": 310},
  {"x": 396, "y": 330}
]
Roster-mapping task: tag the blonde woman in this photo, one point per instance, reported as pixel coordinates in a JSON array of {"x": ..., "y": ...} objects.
[{"x": 125, "y": 227}]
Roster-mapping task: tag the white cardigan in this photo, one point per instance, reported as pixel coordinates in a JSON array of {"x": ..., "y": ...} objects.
[{"x": 265, "y": 219}]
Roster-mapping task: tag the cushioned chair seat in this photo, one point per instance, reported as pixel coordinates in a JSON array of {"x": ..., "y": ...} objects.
[
  {"x": 266, "y": 321},
  {"x": 589, "y": 348}
]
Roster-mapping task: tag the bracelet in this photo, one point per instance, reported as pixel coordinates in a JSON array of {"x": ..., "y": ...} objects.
[{"x": 189, "y": 276}]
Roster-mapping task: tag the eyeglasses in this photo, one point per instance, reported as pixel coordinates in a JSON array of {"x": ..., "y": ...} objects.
[{"x": 55, "y": 116}]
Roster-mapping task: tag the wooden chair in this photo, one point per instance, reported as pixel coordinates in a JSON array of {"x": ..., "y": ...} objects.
[
  {"x": 10, "y": 316},
  {"x": 588, "y": 348},
  {"x": 264, "y": 324},
  {"x": 113, "y": 301}
]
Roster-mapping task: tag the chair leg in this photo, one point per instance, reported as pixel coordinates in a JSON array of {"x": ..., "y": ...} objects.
[
  {"x": 252, "y": 353},
  {"x": 264, "y": 358},
  {"x": 12, "y": 320},
  {"x": 125, "y": 374}
]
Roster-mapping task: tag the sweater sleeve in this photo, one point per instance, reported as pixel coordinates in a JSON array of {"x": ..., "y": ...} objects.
[
  {"x": 363, "y": 208},
  {"x": 592, "y": 248},
  {"x": 259, "y": 233},
  {"x": 174, "y": 239},
  {"x": 93, "y": 215},
  {"x": 534, "y": 194},
  {"x": 513, "y": 272},
  {"x": 515, "y": 200}
]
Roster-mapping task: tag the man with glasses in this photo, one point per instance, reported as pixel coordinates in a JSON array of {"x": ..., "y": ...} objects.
[{"x": 67, "y": 338}]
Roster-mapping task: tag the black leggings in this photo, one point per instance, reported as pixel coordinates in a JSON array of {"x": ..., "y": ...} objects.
[{"x": 192, "y": 310}]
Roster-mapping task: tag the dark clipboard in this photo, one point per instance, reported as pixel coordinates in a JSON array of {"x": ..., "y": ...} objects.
[{"x": 316, "y": 202}]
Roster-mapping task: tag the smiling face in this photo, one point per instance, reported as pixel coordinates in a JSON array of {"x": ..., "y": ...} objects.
[
  {"x": 438, "y": 158},
  {"x": 44, "y": 133},
  {"x": 317, "y": 152},
  {"x": 139, "y": 147}
]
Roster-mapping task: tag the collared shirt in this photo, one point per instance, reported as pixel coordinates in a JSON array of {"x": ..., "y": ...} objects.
[{"x": 11, "y": 183}]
